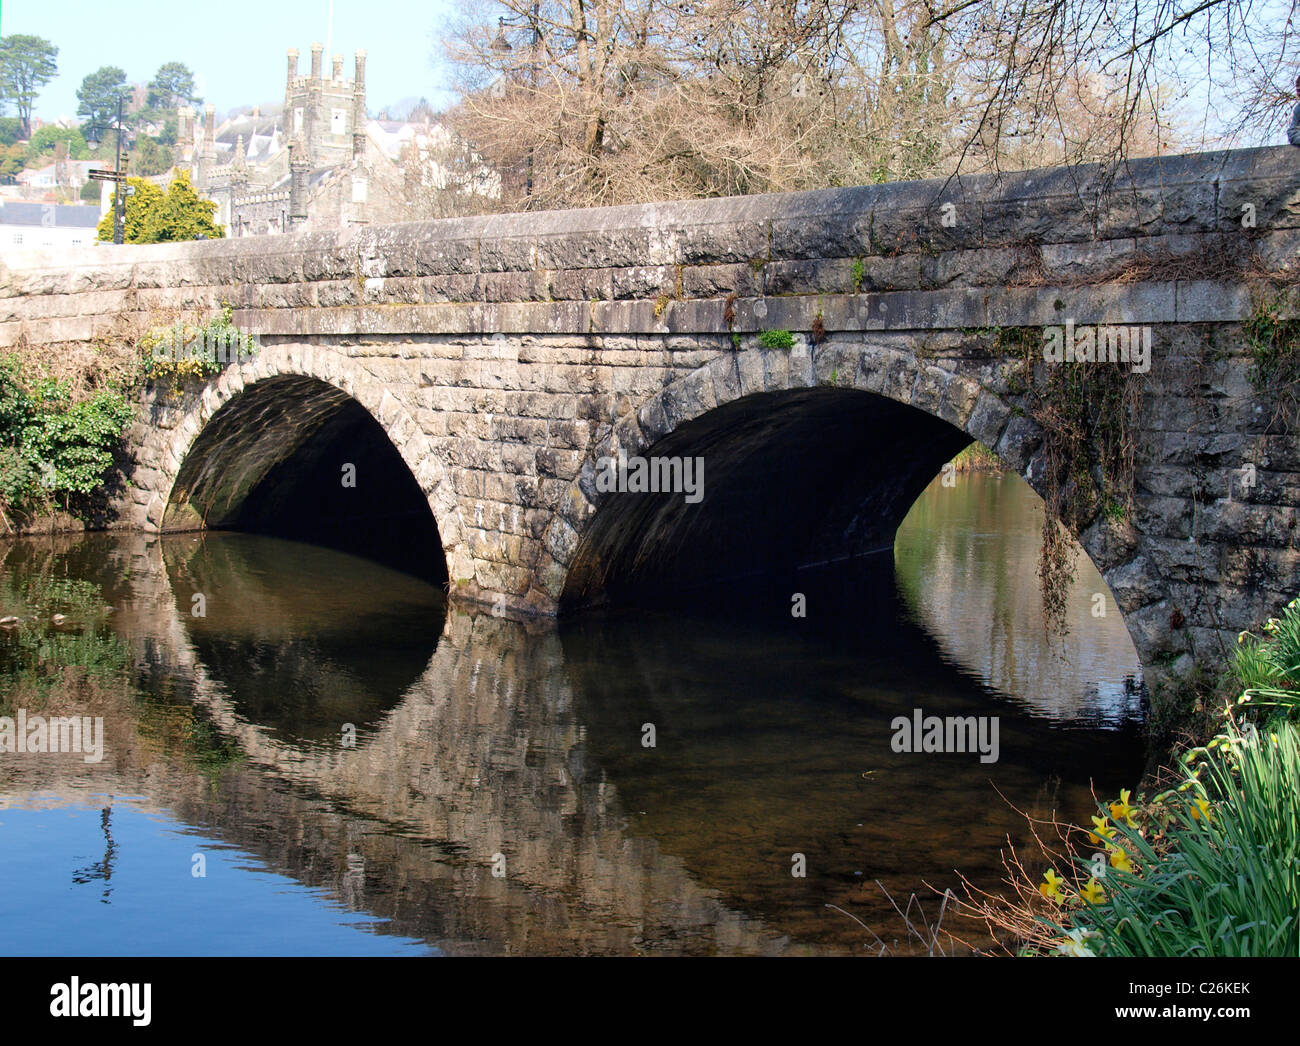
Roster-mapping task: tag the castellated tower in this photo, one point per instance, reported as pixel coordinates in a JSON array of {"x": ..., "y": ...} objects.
[{"x": 325, "y": 114}]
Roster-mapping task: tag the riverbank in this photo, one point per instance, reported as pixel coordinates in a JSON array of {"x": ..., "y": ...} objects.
[
  {"x": 977, "y": 458},
  {"x": 1203, "y": 862}
]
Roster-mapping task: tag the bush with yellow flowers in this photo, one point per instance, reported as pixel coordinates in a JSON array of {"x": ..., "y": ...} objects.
[{"x": 1209, "y": 867}]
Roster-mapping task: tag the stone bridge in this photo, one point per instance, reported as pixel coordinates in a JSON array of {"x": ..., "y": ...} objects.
[{"x": 485, "y": 366}]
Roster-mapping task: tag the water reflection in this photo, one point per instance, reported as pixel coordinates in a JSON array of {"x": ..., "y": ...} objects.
[
  {"x": 980, "y": 538},
  {"x": 481, "y": 741},
  {"x": 303, "y": 640}
]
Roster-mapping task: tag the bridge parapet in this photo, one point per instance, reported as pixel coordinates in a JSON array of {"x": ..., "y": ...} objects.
[{"x": 913, "y": 255}]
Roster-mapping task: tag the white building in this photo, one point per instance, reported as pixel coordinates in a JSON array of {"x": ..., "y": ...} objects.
[{"x": 27, "y": 225}]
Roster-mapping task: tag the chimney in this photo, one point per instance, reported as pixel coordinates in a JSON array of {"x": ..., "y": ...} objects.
[
  {"x": 337, "y": 61},
  {"x": 293, "y": 67},
  {"x": 359, "y": 108},
  {"x": 209, "y": 124},
  {"x": 316, "y": 50},
  {"x": 299, "y": 168}
]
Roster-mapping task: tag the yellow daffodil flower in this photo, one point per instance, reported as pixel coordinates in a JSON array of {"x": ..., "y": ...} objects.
[
  {"x": 1073, "y": 944},
  {"x": 1092, "y": 892},
  {"x": 1121, "y": 811},
  {"x": 1051, "y": 885},
  {"x": 1102, "y": 829},
  {"x": 1200, "y": 808},
  {"x": 1119, "y": 859}
]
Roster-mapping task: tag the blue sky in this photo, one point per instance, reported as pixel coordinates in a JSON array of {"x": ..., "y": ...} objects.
[{"x": 236, "y": 48}]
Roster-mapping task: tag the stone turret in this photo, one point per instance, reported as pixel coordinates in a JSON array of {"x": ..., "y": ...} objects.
[
  {"x": 316, "y": 51},
  {"x": 183, "y": 148},
  {"x": 239, "y": 165},
  {"x": 208, "y": 150}
]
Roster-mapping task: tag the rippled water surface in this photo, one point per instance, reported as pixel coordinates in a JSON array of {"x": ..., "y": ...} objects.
[{"x": 355, "y": 769}]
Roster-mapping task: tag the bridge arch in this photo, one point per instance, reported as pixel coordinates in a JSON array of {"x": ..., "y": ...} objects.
[
  {"x": 856, "y": 428},
  {"x": 209, "y": 460}
]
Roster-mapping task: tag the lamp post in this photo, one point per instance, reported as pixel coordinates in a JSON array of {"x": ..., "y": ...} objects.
[
  {"x": 502, "y": 46},
  {"x": 119, "y": 194}
]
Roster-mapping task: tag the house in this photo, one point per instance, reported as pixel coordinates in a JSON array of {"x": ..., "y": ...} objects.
[
  {"x": 25, "y": 225},
  {"x": 69, "y": 175}
]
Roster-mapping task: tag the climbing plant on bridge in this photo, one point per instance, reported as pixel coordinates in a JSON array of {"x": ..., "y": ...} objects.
[
  {"x": 1087, "y": 416},
  {"x": 1274, "y": 344}
]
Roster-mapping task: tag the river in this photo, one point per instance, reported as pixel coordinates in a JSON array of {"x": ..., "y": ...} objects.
[{"x": 306, "y": 753}]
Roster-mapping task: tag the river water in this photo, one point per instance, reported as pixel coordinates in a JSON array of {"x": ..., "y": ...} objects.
[{"x": 307, "y": 753}]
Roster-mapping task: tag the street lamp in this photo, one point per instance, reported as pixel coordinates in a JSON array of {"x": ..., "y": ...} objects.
[
  {"x": 502, "y": 46},
  {"x": 119, "y": 196}
]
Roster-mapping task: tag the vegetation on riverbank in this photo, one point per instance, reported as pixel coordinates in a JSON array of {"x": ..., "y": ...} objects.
[
  {"x": 1207, "y": 866},
  {"x": 62, "y": 421},
  {"x": 977, "y": 458},
  {"x": 54, "y": 449}
]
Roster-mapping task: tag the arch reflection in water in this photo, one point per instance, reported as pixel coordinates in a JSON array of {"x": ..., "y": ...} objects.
[
  {"x": 773, "y": 737},
  {"x": 303, "y": 639}
]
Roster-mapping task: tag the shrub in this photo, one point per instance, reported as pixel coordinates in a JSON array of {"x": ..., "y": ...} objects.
[{"x": 51, "y": 447}]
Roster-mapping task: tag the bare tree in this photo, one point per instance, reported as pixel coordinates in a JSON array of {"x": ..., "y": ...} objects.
[
  {"x": 587, "y": 102},
  {"x": 1106, "y": 79}
]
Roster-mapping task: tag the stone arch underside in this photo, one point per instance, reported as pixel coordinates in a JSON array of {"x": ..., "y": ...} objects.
[
  {"x": 790, "y": 481},
  {"x": 298, "y": 456}
]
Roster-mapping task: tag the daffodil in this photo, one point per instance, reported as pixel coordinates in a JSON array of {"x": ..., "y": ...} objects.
[
  {"x": 1102, "y": 829},
  {"x": 1119, "y": 859},
  {"x": 1200, "y": 808},
  {"x": 1051, "y": 885},
  {"x": 1121, "y": 811},
  {"x": 1073, "y": 945},
  {"x": 1092, "y": 892}
]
